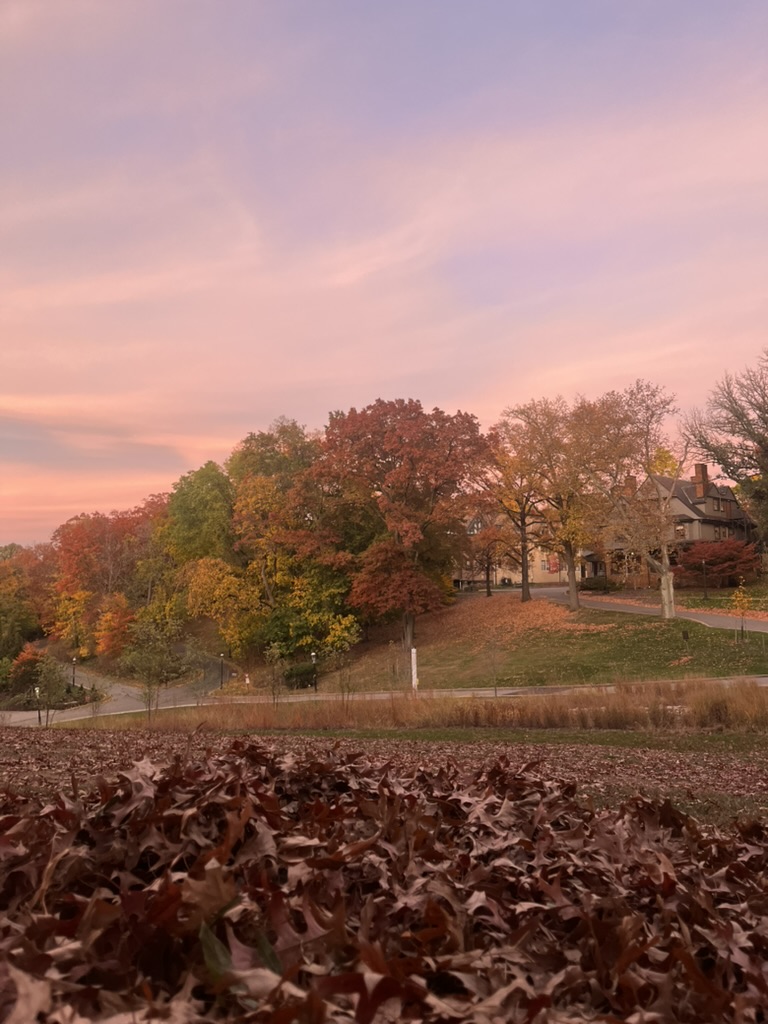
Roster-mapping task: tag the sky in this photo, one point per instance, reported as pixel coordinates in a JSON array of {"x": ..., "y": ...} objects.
[{"x": 216, "y": 213}]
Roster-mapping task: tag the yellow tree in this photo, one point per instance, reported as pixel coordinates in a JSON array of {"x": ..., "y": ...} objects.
[
  {"x": 622, "y": 440},
  {"x": 548, "y": 475},
  {"x": 515, "y": 487}
]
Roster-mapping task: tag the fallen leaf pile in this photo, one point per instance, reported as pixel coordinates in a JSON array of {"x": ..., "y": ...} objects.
[{"x": 264, "y": 886}]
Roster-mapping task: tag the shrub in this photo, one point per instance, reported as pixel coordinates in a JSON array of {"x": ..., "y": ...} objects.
[
  {"x": 599, "y": 583},
  {"x": 299, "y": 676}
]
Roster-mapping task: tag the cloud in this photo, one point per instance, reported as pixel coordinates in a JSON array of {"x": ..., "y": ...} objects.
[{"x": 209, "y": 242}]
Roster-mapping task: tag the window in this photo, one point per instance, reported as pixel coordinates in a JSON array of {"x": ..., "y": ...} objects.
[
  {"x": 717, "y": 533},
  {"x": 717, "y": 504},
  {"x": 544, "y": 565},
  {"x": 680, "y": 531}
]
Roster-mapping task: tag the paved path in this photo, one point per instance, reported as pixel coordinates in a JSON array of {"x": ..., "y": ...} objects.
[{"x": 615, "y": 604}]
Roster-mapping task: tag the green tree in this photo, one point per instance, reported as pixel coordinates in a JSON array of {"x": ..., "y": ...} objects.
[
  {"x": 280, "y": 453},
  {"x": 199, "y": 522},
  {"x": 155, "y": 655},
  {"x": 50, "y": 685}
]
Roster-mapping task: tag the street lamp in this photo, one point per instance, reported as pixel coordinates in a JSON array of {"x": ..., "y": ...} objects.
[
  {"x": 37, "y": 698},
  {"x": 74, "y": 662},
  {"x": 221, "y": 671},
  {"x": 704, "y": 571},
  {"x": 313, "y": 656}
]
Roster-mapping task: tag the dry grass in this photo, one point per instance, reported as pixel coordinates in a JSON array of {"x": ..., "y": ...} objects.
[{"x": 668, "y": 706}]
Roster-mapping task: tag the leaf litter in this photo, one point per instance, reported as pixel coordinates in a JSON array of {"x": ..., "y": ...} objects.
[{"x": 314, "y": 882}]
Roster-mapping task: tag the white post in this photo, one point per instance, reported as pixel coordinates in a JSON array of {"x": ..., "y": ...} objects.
[{"x": 414, "y": 671}]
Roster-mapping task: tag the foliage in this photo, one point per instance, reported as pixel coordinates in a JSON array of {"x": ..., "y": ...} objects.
[
  {"x": 35, "y": 674},
  {"x": 622, "y": 439},
  {"x": 18, "y": 621},
  {"x": 76, "y": 615},
  {"x": 230, "y": 597},
  {"x": 513, "y": 483},
  {"x": 718, "y": 563},
  {"x": 280, "y": 453},
  {"x": 50, "y": 685},
  {"x": 405, "y": 474},
  {"x": 112, "y": 625},
  {"x": 472, "y": 920},
  {"x": 199, "y": 523},
  {"x": 155, "y": 654},
  {"x": 301, "y": 675},
  {"x": 23, "y": 674}
]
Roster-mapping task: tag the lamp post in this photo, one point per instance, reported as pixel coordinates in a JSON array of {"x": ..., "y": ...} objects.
[
  {"x": 74, "y": 662},
  {"x": 704, "y": 571},
  {"x": 37, "y": 698},
  {"x": 221, "y": 671},
  {"x": 313, "y": 656}
]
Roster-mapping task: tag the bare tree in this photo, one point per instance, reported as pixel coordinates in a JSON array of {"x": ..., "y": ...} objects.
[{"x": 732, "y": 431}]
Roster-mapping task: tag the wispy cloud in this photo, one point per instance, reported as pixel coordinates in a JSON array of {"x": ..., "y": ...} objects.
[{"x": 219, "y": 234}]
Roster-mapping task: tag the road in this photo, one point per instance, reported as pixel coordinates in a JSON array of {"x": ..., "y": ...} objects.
[{"x": 122, "y": 698}]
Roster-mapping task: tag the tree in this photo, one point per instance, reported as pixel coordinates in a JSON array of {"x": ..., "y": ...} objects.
[
  {"x": 621, "y": 436},
  {"x": 199, "y": 523},
  {"x": 732, "y": 431},
  {"x": 718, "y": 563},
  {"x": 18, "y": 622},
  {"x": 230, "y": 597},
  {"x": 111, "y": 629},
  {"x": 541, "y": 471},
  {"x": 50, "y": 685},
  {"x": 492, "y": 543},
  {"x": 281, "y": 452},
  {"x": 516, "y": 487},
  {"x": 403, "y": 477},
  {"x": 291, "y": 592},
  {"x": 155, "y": 655}
]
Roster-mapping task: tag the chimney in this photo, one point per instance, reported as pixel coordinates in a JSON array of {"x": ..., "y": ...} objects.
[{"x": 699, "y": 478}]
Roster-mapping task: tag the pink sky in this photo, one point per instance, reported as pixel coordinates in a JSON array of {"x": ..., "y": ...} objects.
[{"x": 215, "y": 214}]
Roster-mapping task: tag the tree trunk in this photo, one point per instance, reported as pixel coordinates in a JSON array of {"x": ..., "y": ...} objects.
[
  {"x": 573, "y": 585},
  {"x": 488, "y": 566},
  {"x": 525, "y": 581},
  {"x": 667, "y": 580},
  {"x": 661, "y": 566},
  {"x": 409, "y": 630}
]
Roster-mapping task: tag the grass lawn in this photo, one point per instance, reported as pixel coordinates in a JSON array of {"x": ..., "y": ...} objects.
[{"x": 482, "y": 641}]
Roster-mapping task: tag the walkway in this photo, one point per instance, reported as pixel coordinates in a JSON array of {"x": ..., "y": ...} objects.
[{"x": 615, "y": 604}]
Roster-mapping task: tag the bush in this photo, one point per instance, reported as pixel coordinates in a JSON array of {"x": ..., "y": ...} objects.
[
  {"x": 297, "y": 677},
  {"x": 599, "y": 583}
]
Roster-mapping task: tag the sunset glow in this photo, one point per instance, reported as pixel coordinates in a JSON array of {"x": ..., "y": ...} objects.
[{"x": 215, "y": 214}]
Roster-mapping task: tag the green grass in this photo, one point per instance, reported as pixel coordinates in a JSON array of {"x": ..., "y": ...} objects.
[{"x": 629, "y": 647}]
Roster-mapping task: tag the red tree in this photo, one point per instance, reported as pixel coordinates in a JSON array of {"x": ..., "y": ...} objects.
[
  {"x": 720, "y": 563},
  {"x": 406, "y": 475}
]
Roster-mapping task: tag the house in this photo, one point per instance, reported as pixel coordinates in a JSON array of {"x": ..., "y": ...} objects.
[
  {"x": 703, "y": 510},
  {"x": 698, "y": 510}
]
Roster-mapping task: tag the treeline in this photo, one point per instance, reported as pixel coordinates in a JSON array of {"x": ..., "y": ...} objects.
[{"x": 303, "y": 539}]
